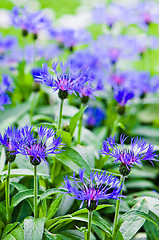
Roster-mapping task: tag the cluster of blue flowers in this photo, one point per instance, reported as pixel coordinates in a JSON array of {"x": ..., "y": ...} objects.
[{"x": 21, "y": 140}]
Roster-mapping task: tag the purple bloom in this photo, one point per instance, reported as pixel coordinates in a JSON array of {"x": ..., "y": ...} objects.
[
  {"x": 139, "y": 151},
  {"x": 94, "y": 116},
  {"x": 109, "y": 15},
  {"x": 13, "y": 139},
  {"x": 69, "y": 38},
  {"x": 7, "y": 43},
  {"x": 29, "y": 22},
  {"x": 5, "y": 86},
  {"x": 122, "y": 96},
  {"x": 99, "y": 186},
  {"x": 70, "y": 79},
  {"x": 37, "y": 148}
]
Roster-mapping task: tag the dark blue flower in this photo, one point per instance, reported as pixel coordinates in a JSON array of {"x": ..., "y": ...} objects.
[
  {"x": 38, "y": 148},
  {"x": 5, "y": 87},
  {"x": 70, "y": 79},
  {"x": 138, "y": 151},
  {"x": 99, "y": 186},
  {"x": 94, "y": 116},
  {"x": 122, "y": 96}
]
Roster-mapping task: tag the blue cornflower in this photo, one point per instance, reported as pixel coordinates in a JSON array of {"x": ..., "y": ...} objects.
[
  {"x": 14, "y": 138},
  {"x": 68, "y": 81},
  {"x": 94, "y": 116},
  {"x": 5, "y": 87},
  {"x": 37, "y": 148},
  {"x": 139, "y": 151},
  {"x": 7, "y": 43},
  {"x": 99, "y": 186},
  {"x": 29, "y": 21},
  {"x": 123, "y": 95},
  {"x": 70, "y": 38}
]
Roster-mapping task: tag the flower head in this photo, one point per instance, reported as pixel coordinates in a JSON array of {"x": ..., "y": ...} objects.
[
  {"x": 123, "y": 95},
  {"x": 139, "y": 151},
  {"x": 5, "y": 87},
  {"x": 29, "y": 22},
  {"x": 69, "y": 80},
  {"x": 99, "y": 186},
  {"x": 37, "y": 148},
  {"x": 94, "y": 116},
  {"x": 14, "y": 138}
]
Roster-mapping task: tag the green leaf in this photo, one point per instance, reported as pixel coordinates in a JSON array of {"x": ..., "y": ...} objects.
[
  {"x": 151, "y": 230},
  {"x": 73, "y": 160},
  {"x": 119, "y": 236},
  {"x": 133, "y": 220},
  {"x": 3, "y": 212},
  {"x": 16, "y": 234},
  {"x": 50, "y": 192},
  {"x": 22, "y": 172},
  {"x": 2, "y": 160},
  {"x": 73, "y": 235},
  {"x": 33, "y": 229},
  {"x": 66, "y": 137},
  {"x": 20, "y": 196},
  {"x": 10, "y": 116},
  {"x": 75, "y": 119},
  {"x": 9, "y": 228},
  {"x": 54, "y": 207}
]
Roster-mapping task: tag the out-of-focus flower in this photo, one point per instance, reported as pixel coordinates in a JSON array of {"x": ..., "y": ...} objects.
[
  {"x": 29, "y": 21},
  {"x": 69, "y": 80},
  {"x": 37, "y": 149},
  {"x": 99, "y": 186},
  {"x": 138, "y": 151},
  {"x": 6, "y": 44},
  {"x": 5, "y": 87},
  {"x": 109, "y": 15},
  {"x": 122, "y": 96},
  {"x": 70, "y": 38},
  {"x": 94, "y": 116}
]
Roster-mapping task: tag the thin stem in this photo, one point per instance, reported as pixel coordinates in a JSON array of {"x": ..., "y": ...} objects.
[
  {"x": 90, "y": 213},
  {"x": 114, "y": 232},
  {"x": 60, "y": 116},
  {"x": 7, "y": 193},
  {"x": 35, "y": 193},
  {"x": 115, "y": 126},
  {"x": 80, "y": 129}
]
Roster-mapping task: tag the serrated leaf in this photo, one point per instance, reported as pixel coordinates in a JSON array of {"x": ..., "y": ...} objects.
[
  {"x": 74, "y": 120},
  {"x": 33, "y": 229},
  {"x": 73, "y": 160}
]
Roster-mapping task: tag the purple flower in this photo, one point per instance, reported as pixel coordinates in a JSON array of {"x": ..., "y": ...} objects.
[
  {"x": 37, "y": 148},
  {"x": 138, "y": 151},
  {"x": 109, "y": 15},
  {"x": 29, "y": 22},
  {"x": 70, "y": 79},
  {"x": 69, "y": 37},
  {"x": 14, "y": 138},
  {"x": 99, "y": 186},
  {"x": 7, "y": 43},
  {"x": 5, "y": 87},
  {"x": 94, "y": 116},
  {"x": 122, "y": 96}
]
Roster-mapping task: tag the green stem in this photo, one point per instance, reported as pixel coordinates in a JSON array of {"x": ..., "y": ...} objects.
[
  {"x": 80, "y": 129},
  {"x": 60, "y": 116},
  {"x": 7, "y": 193},
  {"x": 90, "y": 213},
  {"x": 115, "y": 126},
  {"x": 35, "y": 193},
  {"x": 114, "y": 232}
]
